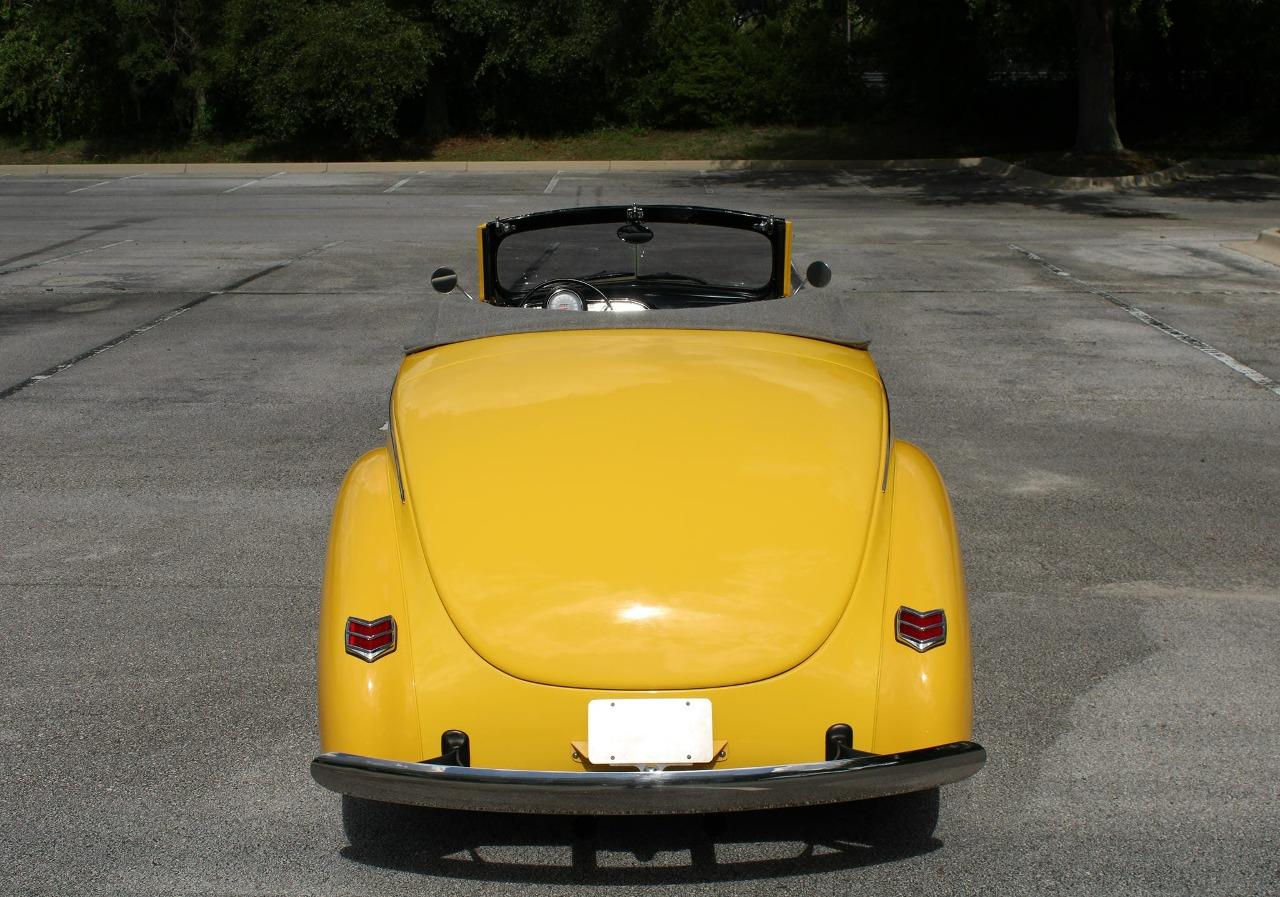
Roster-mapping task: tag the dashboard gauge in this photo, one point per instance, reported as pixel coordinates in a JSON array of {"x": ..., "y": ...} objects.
[{"x": 565, "y": 300}]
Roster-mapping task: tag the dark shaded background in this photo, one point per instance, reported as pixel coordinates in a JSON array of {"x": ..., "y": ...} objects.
[{"x": 331, "y": 78}]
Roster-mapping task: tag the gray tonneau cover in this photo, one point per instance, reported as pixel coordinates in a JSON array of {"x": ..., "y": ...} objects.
[{"x": 820, "y": 316}]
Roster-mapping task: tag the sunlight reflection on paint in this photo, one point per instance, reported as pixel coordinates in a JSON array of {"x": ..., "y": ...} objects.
[{"x": 638, "y": 613}]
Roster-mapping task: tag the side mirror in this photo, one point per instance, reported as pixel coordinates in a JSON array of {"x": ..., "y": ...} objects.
[
  {"x": 445, "y": 280},
  {"x": 818, "y": 274}
]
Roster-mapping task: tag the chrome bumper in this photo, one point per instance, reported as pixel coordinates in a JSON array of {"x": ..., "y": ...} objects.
[{"x": 627, "y": 793}]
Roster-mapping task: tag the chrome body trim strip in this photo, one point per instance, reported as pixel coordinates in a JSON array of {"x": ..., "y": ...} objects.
[
  {"x": 391, "y": 438},
  {"x": 639, "y": 793},
  {"x": 888, "y": 442}
]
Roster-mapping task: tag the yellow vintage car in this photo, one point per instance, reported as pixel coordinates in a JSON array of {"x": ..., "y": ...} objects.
[{"x": 641, "y": 540}]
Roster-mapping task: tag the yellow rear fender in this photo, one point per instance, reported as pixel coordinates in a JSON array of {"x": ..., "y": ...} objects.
[
  {"x": 925, "y": 698},
  {"x": 367, "y": 708}
]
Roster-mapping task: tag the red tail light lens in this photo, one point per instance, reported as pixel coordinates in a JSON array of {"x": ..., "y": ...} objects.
[
  {"x": 370, "y": 639},
  {"x": 921, "y": 630}
]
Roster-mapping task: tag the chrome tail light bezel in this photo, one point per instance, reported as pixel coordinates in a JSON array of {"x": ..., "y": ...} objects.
[
  {"x": 369, "y": 646},
  {"x": 920, "y": 630}
]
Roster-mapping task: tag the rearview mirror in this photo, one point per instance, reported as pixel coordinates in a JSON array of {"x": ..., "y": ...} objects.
[
  {"x": 444, "y": 280},
  {"x": 818, "y": 274},
  {"x": 634, "y": 233}
]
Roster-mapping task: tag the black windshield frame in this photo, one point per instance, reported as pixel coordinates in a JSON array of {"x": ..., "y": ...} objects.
[{"x": 495, "y": 232}]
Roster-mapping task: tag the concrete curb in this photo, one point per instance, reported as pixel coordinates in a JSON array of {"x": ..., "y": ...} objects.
[
  {"x": 1031, "y": 178},
  {"x": 112, "y": 169},
  {"x": 987, "y": 165},
  {"x": 1265, "y": 247}
]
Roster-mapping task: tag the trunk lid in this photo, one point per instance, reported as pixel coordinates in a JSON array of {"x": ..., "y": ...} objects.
[{"x": 639, "y": 509}]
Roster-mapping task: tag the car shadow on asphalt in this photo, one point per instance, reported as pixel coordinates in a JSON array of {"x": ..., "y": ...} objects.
[
  {"x": 955, "y": 189},
  {"x": 1225, "y": 188},
  {"x": 648, "y": 850},
  {"x": 948, "y": 188},
  {"x": 973, "y": 188}
]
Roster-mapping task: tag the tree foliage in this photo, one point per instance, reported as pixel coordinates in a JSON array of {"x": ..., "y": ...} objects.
[
  {"x": 367, "y": 73},
  {"x": 338, "y": 70},
  {"x": 51, "y": 69},
  {"x": 551, "y": 66},
  {"x": 717, "y": 62}
]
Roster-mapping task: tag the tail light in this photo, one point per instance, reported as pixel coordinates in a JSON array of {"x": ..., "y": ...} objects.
[
  {"x": 921, "y": 630},
  {"x": 370, "y": 639}
]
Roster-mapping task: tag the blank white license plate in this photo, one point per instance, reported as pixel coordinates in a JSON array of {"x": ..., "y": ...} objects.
[{"x": 649, "y": 731}]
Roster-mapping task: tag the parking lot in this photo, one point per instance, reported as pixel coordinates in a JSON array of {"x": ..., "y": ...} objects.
[{"x": 188, "y": 363}]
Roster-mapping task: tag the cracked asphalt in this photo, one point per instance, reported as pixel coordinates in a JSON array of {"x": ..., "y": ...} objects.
[{"x": 164, "y": 503}]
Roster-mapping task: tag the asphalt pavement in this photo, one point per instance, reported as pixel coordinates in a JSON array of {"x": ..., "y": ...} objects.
[{"x": 188, "y": 364}]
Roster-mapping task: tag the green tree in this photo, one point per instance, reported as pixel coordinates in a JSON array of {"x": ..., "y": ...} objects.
[
  {"x": 759, "y": 61},
  {"x": 932, "y": 52},
  {"x": 362, "y": 73},
  {"x": 542, "y": 67},
  {"x": 697, "y": 77},
  {"x": 56, "y": 78},
  {"x": 794, "y": 60},
  {"x": 337, "y": 71},
  {"x": 165, "y": 53}
]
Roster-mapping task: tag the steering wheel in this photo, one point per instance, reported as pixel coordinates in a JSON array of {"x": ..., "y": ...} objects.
[{"x": 590, "y": 286}]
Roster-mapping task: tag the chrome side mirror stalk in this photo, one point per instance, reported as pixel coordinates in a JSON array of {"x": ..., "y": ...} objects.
[
  {"x": 818, "y": 274},
  {"x": 445, "y": 280}
]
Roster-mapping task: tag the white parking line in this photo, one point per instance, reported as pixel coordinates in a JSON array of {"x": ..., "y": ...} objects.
[
  {"x": 58, "y": 258},
  {"x": 397, "y": 185},
  {"x": 100, "y": 183},
  {"x": 90, "y": 187},
  {"x": 706, "y": 184},
  {"x": 1185, "y": 338},
  {"x": 157, "y": 321},
  {"x": 252, "y": 182},
  {"x": 551, "y": 184}
]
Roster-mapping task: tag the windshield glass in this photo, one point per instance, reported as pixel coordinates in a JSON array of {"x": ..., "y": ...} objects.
[{"x": 674, "y": 253}]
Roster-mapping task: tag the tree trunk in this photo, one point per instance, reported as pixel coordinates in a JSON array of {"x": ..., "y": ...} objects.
[
  {"x": 435, "y": 124},
  {"x": 1096, "y": 130},
  {"x": 200, "y": 118}
]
